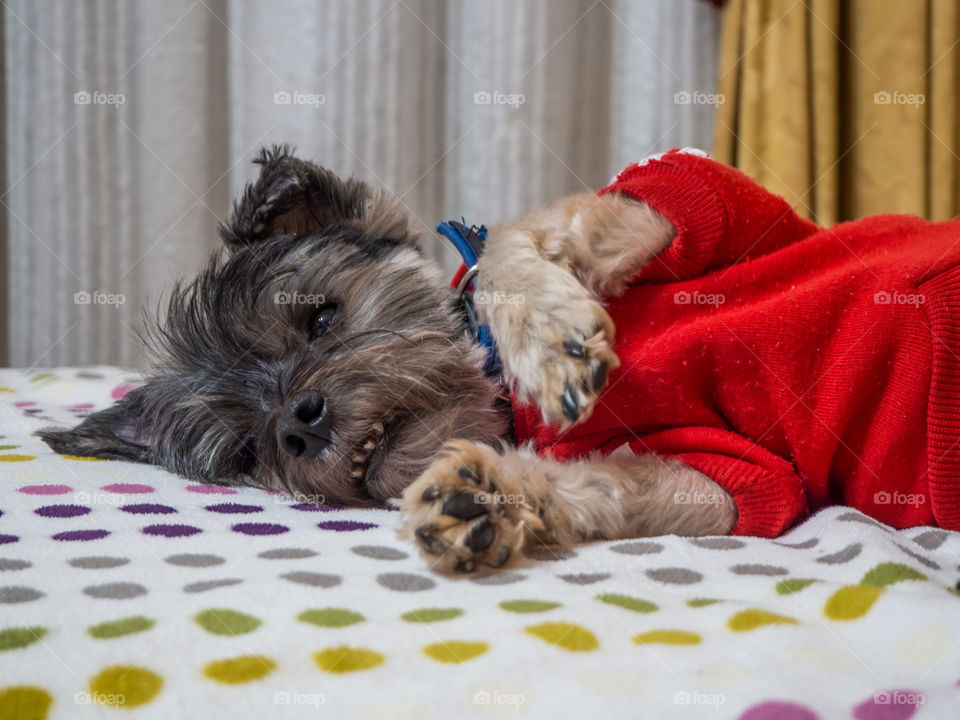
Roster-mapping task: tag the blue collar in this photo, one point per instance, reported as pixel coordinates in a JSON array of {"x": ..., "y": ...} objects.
[{"x": 469, "y": 243}]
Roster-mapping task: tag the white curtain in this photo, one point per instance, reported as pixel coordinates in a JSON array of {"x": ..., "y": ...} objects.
[{"x": 131, "y": 124}]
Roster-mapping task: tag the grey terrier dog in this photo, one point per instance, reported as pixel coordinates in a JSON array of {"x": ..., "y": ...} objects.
[{"x": 321, "y": 353}]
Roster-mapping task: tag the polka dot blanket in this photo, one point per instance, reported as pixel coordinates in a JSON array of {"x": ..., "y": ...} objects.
[{"x": 126, "y": 591}]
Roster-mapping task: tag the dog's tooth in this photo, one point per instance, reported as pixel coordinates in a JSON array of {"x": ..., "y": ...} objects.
[
  {"x": 359, "y": 457},
  {"x": 370, "y": 444},
  {"x": 356, "y": 473},
  {"x": 378, "y": 428}
]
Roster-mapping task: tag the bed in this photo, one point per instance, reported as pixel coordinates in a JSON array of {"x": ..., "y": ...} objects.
[{"x": 126, "y": 591}]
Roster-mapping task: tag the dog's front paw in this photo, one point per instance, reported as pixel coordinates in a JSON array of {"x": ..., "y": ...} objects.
[{"x": 460, "y": 515}]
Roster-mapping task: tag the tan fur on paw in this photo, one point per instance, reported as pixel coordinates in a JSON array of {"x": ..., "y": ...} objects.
[{"x": 461, "y": 514}]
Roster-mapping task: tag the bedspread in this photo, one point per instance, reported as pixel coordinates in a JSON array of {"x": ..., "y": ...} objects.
[{"x": 126, "y": 591}]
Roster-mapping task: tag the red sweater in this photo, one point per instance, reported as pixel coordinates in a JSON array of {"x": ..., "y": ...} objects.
[{"x": 795, "y": 365}]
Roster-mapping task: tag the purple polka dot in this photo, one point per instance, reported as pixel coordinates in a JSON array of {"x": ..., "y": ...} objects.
[
  {"x": 260, "y": 528},
  {"x": 148, "y": 509},
  {"x": 307, "y": 507},
  {"x": 80, "y": 406},
  {"x": 4, "y": 539},
  {"x": 62, "y": 511},
  {"x": 210, "y": 490},
  {"x": 45, "y": 489},
  {"x": 345, "y": 525},
  {"x": 128, "y": 488},
  {"x": 890, "y": 705},
  {"x": 234, "y": 508},
  {"x": 779, "y": 710},
  {"x": 24, "y": 403},
  {"x": 81, "y": 535},
  {"x": 120, "y": 390},
  {"x": 171, "y": 531}
]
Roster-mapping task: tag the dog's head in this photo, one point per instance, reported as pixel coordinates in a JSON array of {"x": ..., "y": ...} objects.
[{"x": 318, "y": 353}]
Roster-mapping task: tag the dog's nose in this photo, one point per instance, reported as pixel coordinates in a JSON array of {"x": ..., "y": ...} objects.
[{"x": 304, "y": 427}]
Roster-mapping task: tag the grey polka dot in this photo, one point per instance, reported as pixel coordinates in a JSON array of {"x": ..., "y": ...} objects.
[
  {"x": 718, "y": 543},
  {"x": 758, "y": 569},
  {"x": 379, "y": 552},
  {"x": 675, "y": 576},
  {"x": 115, "y": 591},
  {"x": 195, "y": 560},
  {"x": 805, "y": 545},
  {"x": 841, "y": 556},
  {"x": 88, "y": 375},
  {"x": 860, "y": 518},
  {"x": 920, "y": 558},
  {"x": 98, "y": 562},
  {"x": 931, "y": 539},
  {"x": 545, "y": 553},
  {"x": 405, "y": 582},
  {"x": 584, "y": 578},
  {"x": 18, "y": 594},
  {"x": 503, "y": 578},
  {"x": 206, "y": 585},
  {"x": 313, "y": 579},
  {"x": 286, "y": 554},
  {"x": 11, "y": 564},
  {"x": 637, "y": 548}
]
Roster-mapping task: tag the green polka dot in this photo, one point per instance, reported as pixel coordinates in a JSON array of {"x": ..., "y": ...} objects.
[
  {"x": 119, "y": 628},
  {"x": 792, "y": 585},
  {"x": 14, "y": 457},
  {"x": 630, "y": 603},
  {"x": 83, "y": 458},
  {"x": 24, "y": 702},
  {"x": 125, "y": 686},
  {"x": 330, "y": 617},
  {"x": 702, "y": 602},
  {"x": 889, "y": 573},
  {"x": 42, "y": 376},
  {"x": 239, "y": 669},
  {"x": 345, "y": 659},
  {"x": 528, "y": 606},
  {"x": 566, "y": 635},
  {"x": 221, "y": 621},
  {"x": 456, "y": 651},
  {"x": 752, "y": 619},
  {"x": 16, "y": 638},
  {"x": 668, "y": 637},
  {"x": 851, "y": 602},
  {"x": 8, "y": 447},
  {"x": 426, "y": 615}
]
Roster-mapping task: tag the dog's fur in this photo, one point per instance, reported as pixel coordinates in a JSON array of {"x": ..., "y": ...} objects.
[{"x": 410, "y": 409}]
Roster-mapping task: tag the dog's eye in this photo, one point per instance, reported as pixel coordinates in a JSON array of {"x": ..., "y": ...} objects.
[{"x": 322, "y": 320}]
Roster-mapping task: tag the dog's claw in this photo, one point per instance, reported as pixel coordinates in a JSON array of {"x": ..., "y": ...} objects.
[
  {"x": 430, "y": 494},
  {"x": 468, "y": 473},
  {"x": 574, "y": 348},
  {"x": 600, "y": 375},
  {"x": 569, "y": 403}
]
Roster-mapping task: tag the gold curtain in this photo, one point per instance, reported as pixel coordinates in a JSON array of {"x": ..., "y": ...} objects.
[{"x": 846, "y": 108}]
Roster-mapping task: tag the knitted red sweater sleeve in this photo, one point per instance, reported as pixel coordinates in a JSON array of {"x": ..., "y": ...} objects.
[
  {"x": 721, "y": 215},
  {"x": 767, "y": 490}
]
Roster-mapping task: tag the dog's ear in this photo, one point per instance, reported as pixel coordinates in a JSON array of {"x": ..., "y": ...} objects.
[
  {"x": 120, "y": 432},
  {"x": 293, "y": 197}
]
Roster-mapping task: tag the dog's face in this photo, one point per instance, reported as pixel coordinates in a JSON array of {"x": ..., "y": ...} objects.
[{"x": 318, "y": 353}]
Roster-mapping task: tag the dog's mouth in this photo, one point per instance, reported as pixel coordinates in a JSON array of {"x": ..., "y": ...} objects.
[{"x": 364, "y": 451}]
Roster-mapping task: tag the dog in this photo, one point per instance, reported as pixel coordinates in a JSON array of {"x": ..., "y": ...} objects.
[{"x": 321, "y": 354}]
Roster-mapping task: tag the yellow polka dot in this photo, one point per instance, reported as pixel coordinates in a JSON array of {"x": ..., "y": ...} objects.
[
  {"x": 345, "y": 659},
  {"x": 752, "y": 619},
  {"x": 84, "y": 458},
  {"x": 851, "y": 602},
  {"x": 125, "y": 686},
  {"x": 14, "y": 457},
  {"x": 6, "y": 389},
  {"x": 24, "y": 702},
  {"x": 566, "y": 635},
  {"x": 668, "y": 637},
  {"x": 239, "y": 669},
  {"x": 455, "y": 651}
]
